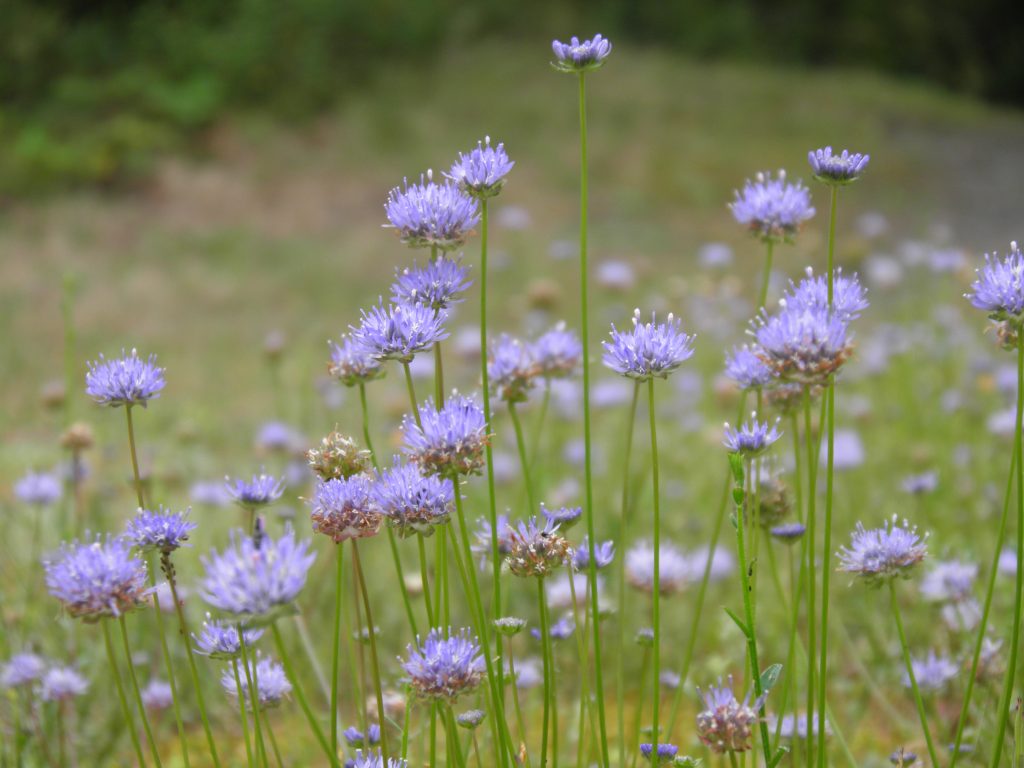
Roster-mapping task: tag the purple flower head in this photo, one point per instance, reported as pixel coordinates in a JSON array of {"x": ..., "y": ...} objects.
[
  {"x": 932, "y": 672},
  {"x": 40, "y": 489},
  {"x": 802, "y": 344},
  {"x": 511, "y": 369},
  {"x": 726, "y": 724},
  {"x": 432, "y": 215},
  {"x": 355, "y": 737},
  {"x": 445, "y": 665},
  {"x": 837, "y": 169},
  {"x": 22, "y": 669},
  {"x": 97, "y": 579},
  {"x": 604, "y": 553},
  {"x": 999, "y": 286},
  {"x": 161, "y": 530},
  {"x": 883, "y": 553},
  {"x": 352, "y": 364},
  {"x": 262, "y": 490},
  {"x": 662, "y": 754},
  {"x": 257, "y": 582},
  {"x": 219, "y": 640},
  {"x": 849, "y": 298},
  {"x": 451, "y": 440},
  {"x": 791, "y": 727},
  {"x": 576, "y": 57},
  {"x": 673, "y": 567},
  {"x": 399, "y": 331},
  {"x": 127, "y": 380},
  {"x": 482, "y": 548},
  {"x": 376, "y": 760},
  {"x": 271, "y": 684},
  {"x": 563, "y": 517},
  {"x": 772, "y": 209},
  {"x": 481, "y": 173},
  {"x": 62, "y": 684},
  {"x": 920, "y": 484},
  {"x": 557, "y": 352},
  {"x": 436, "y": 285},
  {"x": 157, "y": 695},
  {"x": 343, "y": 509},
  {"x": 279, "y": 436},
  {"x": 789, "y": 532},
  {"x": 560, "y": 630},
  {"x": 752, "y": 438},
  {"x": 410, "y": 501},
  {"x": 648, "y": 349},
  {"x": 745, "y": 366},
  {"x": 949, "y": 581},
  {"x": 536, "y": 549}
]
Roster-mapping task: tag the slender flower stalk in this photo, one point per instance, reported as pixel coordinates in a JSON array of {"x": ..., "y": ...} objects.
[
  {"x": 545, "y": 639},
  {"x": 241, "y": 712},
  {"x": 809, "y": 557},
  {"x": 656, "y": 590},
  {"x": 119, "y": 685},
  {"x": 372, "y": 631},
  {"x": 523, "y": 460},
  {"x": 918, "y": 702},
  {"x": 138, "y": 694},
  {"x": 252, "y": 685},
  {"x": 620, "y": 682},
  {"x": 336, "y": 647}
]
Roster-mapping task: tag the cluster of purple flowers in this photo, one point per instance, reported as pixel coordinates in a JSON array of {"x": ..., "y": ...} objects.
[
  {"x": 39, "y": 489},
  {"x": 999, "y": 287},
  {"x": 537, "y": 549},
  {"x": 431, "y": 215},
  {"x": 399, "y": 331},
  {"x": 773, "y": 209},
  {"x": 260, "y": 491},
  {"x": 410, "y": 501},
  {"x": 726, "y": 724},
  {"x": 838, "y": 169},
  {"x": 448, "y": 441},
  {"x": 160, "y": 530},
  {"x": 444, "y": 665},
  {"x": 436, "y": 285},
  {"x": 752, "y": 438},
  {"x": 127, "y": 380},
  {"x": 343, "y": 509},
  {"x": 577, "y": 57},
  {"x": 97, "y": 579},
  {"x": 481, "y": 172},
  {"x": 879, "y": 554},
  {"x": 648, "y": 350}
]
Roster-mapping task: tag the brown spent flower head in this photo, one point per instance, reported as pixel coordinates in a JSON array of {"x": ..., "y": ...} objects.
[
  {"x": 537, "y": 550},
  {"x": 338, "y": 457},
  {"x": 726, "y": 724},
  {"x": 78, "y": 437},
  {"x": 773, "y": 503}
]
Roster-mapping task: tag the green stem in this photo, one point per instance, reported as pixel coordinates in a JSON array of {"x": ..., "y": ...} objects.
[
  {"x": 545, "y": 639},
  {"x": 374, "y": 664},
  {"x": 405, "y": 722},
  {"x": 809, "y": 541},
  {"x": 910, "y": 673},
  {"x": 138, "y": 694},
  {"x": 587, "y": 447},
  {"x": 826, "y": 568},
  {"x": 301, "y": 697},
  {"x": 425, "y": 578},
  {"x": 165, "y": 651},
  {"x": 1018, "y": 602},
  {"x": 366, "y": 423},
  {"x": 762, "y": 297},
  {"x": 443, "y": 607},
  {"x": 645, "y": 662},
  {"x": 831, "y": 243},
  {"x": 523, "y": 460},
  {"x": 515, "y": 701},
  {"x": 452, "y": 738},
  {"x": 125, "y": 709},
  {"x": 336, "y": 647},
  {"x": 620, "y": 682},
  {"x": 241, "y": 712},
  {"x": 135, "y": 460},
  {"x": 656, "y": 591},
  {"x": 584, "y": 652},
  {"x": 438, "y": 376},
  {"x": 273, "y": 740},
  {"x": 412, "y": 394},
  {"x": 983, "y": 625},
  {"x": 254, "y": 696}
]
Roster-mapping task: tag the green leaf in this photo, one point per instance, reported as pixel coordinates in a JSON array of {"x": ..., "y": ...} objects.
[
  {"x": 736, "y": 465},
  {"x": 737, "y": 496},
  {"x": 739, "y": 622},
  {"x": 781, "y": 753},
  {"x": 770, "y": 677}
]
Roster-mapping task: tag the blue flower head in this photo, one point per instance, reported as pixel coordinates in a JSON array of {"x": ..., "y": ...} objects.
[
  {"x": 432, "y": 215},
  {"x": 482, "y": 172},
  {"x": 802, "y": 344},
  {"x": 773, "y": 209},
  {"x": 451, "y": 440},
  {"x": 219, "y": 640},
  {"x": 576, "y": 57},
  {"x": 648, "y": 350},
  {"x": 563, "y": 517},
  {"x": 352, "y": 363},
  {"x": 410, "y": 501},
  {"x": 375, "y": 760},
  {"x": 674, "y": 570},
  {"x": 161, "y": 530},
  {"x": 752, "y": 438},
  {"x": 932, "y": 672},
  {"x": 257, "y": 581},
  {"x": 343, "y": 509},
  {"x": 22, "y": 669},
  {"x": 40, "y": 489},
  {"x": 745, "y": 366},
  {"x": 849, "y": 297},
  {"x": 999, "y": 287},
  {"x": 271, "y": 684},
  {"x": 259, "y": 492},
  {"x": 127, "y": 380},
  {"x": 789, "y": 532},
  {"x": 726, "y": 724},
  {"x": 484, "y": 538},
  {"x": 880, "y": 554},
  {"x": 511, "y": 369},
  {"x": 445, "y": 665},
  {"x": 355, "y": 737},
  {"x": 62, "y": 684},
  {"x": 663, "y": 754},
  {"x": 557, "y": 352},
  {"x": 604, "y": 554},
  {"x": 97, "y": 579},
  {"x": 436, "y": 285},
  {"x": 399, "y": 331},
  {"x": 838, "y": 169}
]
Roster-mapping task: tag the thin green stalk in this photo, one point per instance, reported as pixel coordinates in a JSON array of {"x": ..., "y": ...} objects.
[
  {"x": 241, "y": 713},
  {"x": 405, "y": 722},
  {"x": 438, "y": 376},
  {"x": 425, "y": 578},
  {"x": 515, "y": 701},
  {"x": 273, "y": 740},
  {"x": 656, "y": 589},
  {"x": 307, "y": 647},
  {"x": 355, "y": 661},
  {"x": 443, "y": 607},
  {"x": 254, "y": 693},
  {"x": 169, "y": 668},
  {"x": 542, "y": 418},
  {"x": 581, "y": 646},
  {"x": 587, "y": 447},
  {"x": 645, "y": 662},
  {"x": 1018, "y": 595},
  {"x": 135, "y": 460},
  {"x": 983, "y": 625},
  {"x": 831, "y": 242},
  {"x": 452, "y": 738},
  {"x": 125, "y": 709},
  {"x": 523, "y": 460},
  {"x": 62, "y": 745},
  {"x": 620, "y": 681},
  {"x": 545, "y": 641},
  {"x": 910, "y": 673},
  {"x": 809, "y": 541},
  {"x": 375, "y": 665},
  {"x": 301, "y": 697},
  {"x": 762, "y": 297},
  {"x": 336, "y": 647},
  {"x": 138, "y": 694},
  {"x": 366, "y": 423},
  {"x": 411, "y": 389}
]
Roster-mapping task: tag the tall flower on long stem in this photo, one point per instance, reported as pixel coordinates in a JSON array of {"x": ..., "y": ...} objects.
[{"x": 645, "y": 352}]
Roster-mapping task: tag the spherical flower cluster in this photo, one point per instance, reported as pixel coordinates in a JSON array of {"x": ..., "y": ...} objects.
[
  {"x": 338, "y": 456},
  {"x": 932, "y": 673},
  {"x": 883, "y": 553},
  {"x": 509, "y": 626},
  {"x": 803, "y": 344},
  {"x": 789, "y": 532},
  {"x": 772, "y": 209},
  {"x": 648, "y": 350},
  {"x": 449, "y": 441},
  {"x": 557, "y": 352},
  {"x": 432, "y": 215},
  {"x": 752, "y": 438},
  {"x": 127, "y": 380},
  {"x": 674, "y": 569},
  {"x": 160, "y": 530},
  {"x": 999, "y": 287},
  {"x": 436, "y": 285},
  {"x": 951, "y": 580},
  {"x": 564, "y": 517},
  {"x": 343, "y": 509},
  {"x": 219, "y": 640},
  {"x": 849, "y": 298},
  {"x": 257, "y": 581},
  {"x": 410, "y": 501},
  {"x": 262, "y": 490},
  {"x": 484, "y": 538},
  {"x": 511, "y": 369},
  {"x": 352, "y": 363},
  {"x": 356, "y": 738},
  {"x": 376, "y": 760},
  {"x": 399, "y": 331},
  {"x": 470, "y": 719},
  {"x": 837, "y": 169},
  {"x": 537, "y": 550},
  {"x": 577, "y": 57},
  {"x": 157, "y": 695},
  {"x": 726, "y": 724},
  {"x": 445, "y": 665},
  {"x": 482, "y": 172},
  {"x": 661, "y": 754},
  {"x": 745, "y": 367},
  {"x": 40, "y": 489},
  {"x": 270, "y": 679},
  {"x": 97, "y": 579},
  {"x": 604, "y": 554},
  {"x": 62, "y": 684},
  {"x": 22, "y": 669}
]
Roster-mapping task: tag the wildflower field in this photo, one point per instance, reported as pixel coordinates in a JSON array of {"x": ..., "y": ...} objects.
[{"x": 604, "y": 441}]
